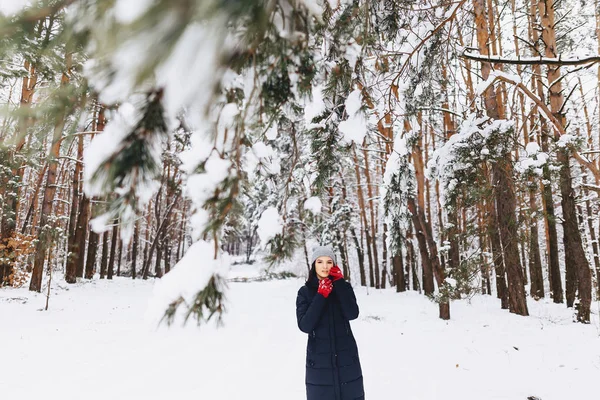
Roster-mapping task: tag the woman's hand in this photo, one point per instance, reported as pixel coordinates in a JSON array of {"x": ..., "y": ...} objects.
[
  {"x": 336, "y": 273},
  {"x": 325, "y": 287}
]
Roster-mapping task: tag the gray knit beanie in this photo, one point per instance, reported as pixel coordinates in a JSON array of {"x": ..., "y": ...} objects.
[{"x": 322, "y": 251}]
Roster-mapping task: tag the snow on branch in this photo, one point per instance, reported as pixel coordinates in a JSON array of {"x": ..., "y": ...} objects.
[
  {"x": 547, "y": 113},
  {"x": 532, "y": 60}
]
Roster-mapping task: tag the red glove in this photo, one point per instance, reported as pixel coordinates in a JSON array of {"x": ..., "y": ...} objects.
[
  {"x": 325, "y": 287},
  {"x": 336, "y": 273}
]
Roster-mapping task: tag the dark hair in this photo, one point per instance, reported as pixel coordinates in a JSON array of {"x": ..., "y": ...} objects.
[{"x": 312, "y": 272}]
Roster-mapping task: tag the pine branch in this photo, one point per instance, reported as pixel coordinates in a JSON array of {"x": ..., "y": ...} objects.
[
  {"x": 209, "y": 301},
  {"x": 34, "y": 15}
]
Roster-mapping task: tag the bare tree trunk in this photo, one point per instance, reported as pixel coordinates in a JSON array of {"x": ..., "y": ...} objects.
[
  {"x": 168, "y": 256},
  {"x": 104, "y": 256},
  {"x": 384, "y": 260},
  {"x": 119, "y": 257},
  {"x": 361, "y": 258},
  {"x": 411, "y": 263},
  {"x": 90, "y": 262},
  {"x": 134, "y": 249},
  {"x": 44, "y": 239},
  {"x": 574, "y": 254},
  {"x": 113, "y": 251},
  {"x": 556, "y": 289},
  {"x": 159, "y": 232},
  {"x": 9, "y": 214},
  {"x": 81, "y": 231},
  {"x": 146, "y": 261},
  {"x": 74, "y": 227},
  {"x": 364, "y": 222},
  {"x": 399, "y": 277},
  {"x": 535, "y": 261},
  {"x": 422, "y": 226},
  {"x": 374, "y": 277},
  {"x": 427, "y": 261},
  {"x": 343, "y": 247},
  {"x": 502, "y": 171},
  {"x": 590, "y": 214},
  {"x": 157, "y": 267}
]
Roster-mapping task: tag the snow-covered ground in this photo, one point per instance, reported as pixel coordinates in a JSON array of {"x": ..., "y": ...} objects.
[{"x": 95, "y": 343}]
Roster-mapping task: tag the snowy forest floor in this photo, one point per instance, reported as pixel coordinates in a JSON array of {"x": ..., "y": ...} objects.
[{"x": 95, "y": 343}]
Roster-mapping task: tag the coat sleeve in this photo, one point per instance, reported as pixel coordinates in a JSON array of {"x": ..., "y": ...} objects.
[
  {"x": 345, "y": 294},
  {"x": 308, "y": 313}
]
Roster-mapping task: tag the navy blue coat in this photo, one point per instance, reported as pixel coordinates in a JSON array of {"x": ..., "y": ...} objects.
[{"x": 332, "y": 365}]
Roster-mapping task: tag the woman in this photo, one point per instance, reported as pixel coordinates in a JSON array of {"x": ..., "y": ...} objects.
[{"x": 324, "y": 307}]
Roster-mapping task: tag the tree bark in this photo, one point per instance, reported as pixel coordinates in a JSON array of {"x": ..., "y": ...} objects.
[
  {"x": 364, "y": 222},
  {"x": 119, "y": 257},
  {"x": 502, "y": 172},
  {"x": 590, "y": 214},
  {"x": 134, "y": 249},
  {"x": 398, "y": 266},
  {"x": 113, "y": 251},
  {"x": 167, "y": 253},
  {"x": 418, "y": 222},
  {"x": 90, "y": 262},
  {"x": 9, "y": 214},
  {"x": 374, "y": 273},
  {"x": 361, "y": 258},
  {"x": 104, "y": 256},
  {"x": 74, "y": 227},
  {"x": 575, "y": 260},
  {"x": 554, "y": 275},
  {"x": 44, "y": 239},
  {"x": 81, "y": 231},
  {"x": 535, "y": 261},
  {"x": 424, "y": 231},
  {"x": 384, "y": 259}
]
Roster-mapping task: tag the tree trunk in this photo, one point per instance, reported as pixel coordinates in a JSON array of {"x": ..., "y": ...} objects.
[
  {"x": 419, "y": 208},
  {"x": 361, "y": 258},
  {"x": 81, "y": 231},
  {"x": 90, "y": 262},
  {"x": 411, "y": 264},
  {"x": 399, "y": 272},
  {"x": 535, "y": 261},
  {"x": 104, "y": 256},
  {"x": 134, "y": 248},
  {"x": 554, "y": 275},
  {"x": 157, "y": 267},
  {"x": 364, "y": 222},
  {"x": 44, "y": 237},
  {"x": 28, "y": 227},
  {"x": 74, "y": 227},
  {"x": 113, "y": 251},
  {"x": 422, "y": 225},
  {"x": 506, "y": 205},
  {"x": 119, "y": 257},
  {"x": 9, "y": 212},
  {"x": 157, "y": 238},
  {"x": 168, "y": 256},
  {"x": 590, "y": 214},
  {"x": 384, "y": 260},
  {"x": 374, "y": 277},
  {"x": 575, "y": 259},
  {"x": 502, "y": 172}
]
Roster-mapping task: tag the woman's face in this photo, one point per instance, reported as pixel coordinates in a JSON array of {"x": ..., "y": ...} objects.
[{"x": 322, "y": 266}]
